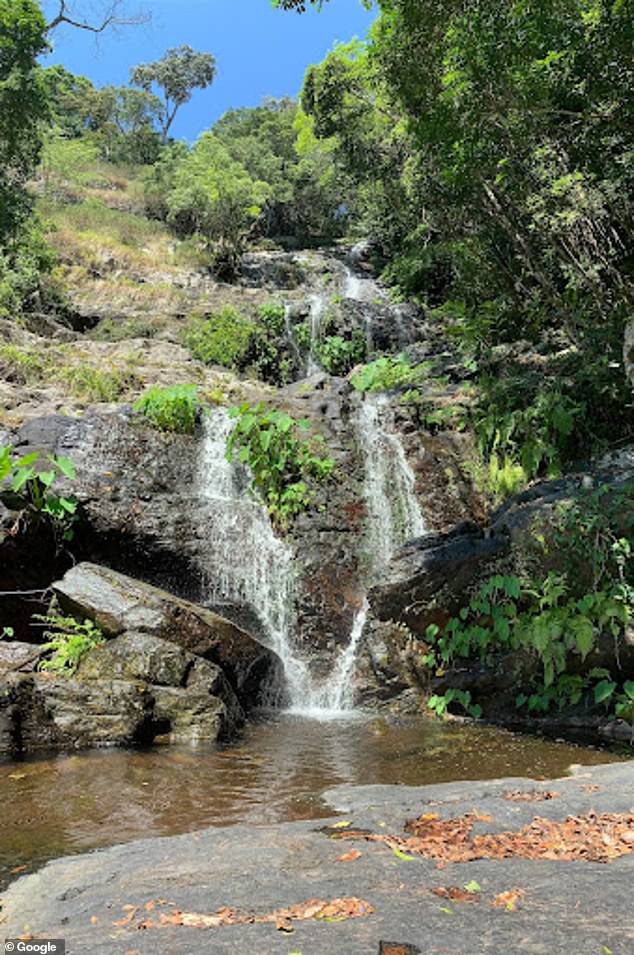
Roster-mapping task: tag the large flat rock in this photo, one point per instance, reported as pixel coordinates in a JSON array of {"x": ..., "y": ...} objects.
[
  {"x": 567, "y": 907},
  {"x": 119, "y": 604}
]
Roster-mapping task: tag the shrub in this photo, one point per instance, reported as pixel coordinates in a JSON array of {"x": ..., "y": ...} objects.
[
  {"x": 171, "y": 409},
  {"x": 220, "y": 339},
  {"x": 538, "y": 431},
  {"x": 70, "y": 640},
  {"x": 338, "y": 356},
  {"x": 387, "y": 374},
  {"x": 282, "y": 464},
  {"x": 271, "y": 315}
]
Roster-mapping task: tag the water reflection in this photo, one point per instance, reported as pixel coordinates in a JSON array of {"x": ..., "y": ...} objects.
[{"x": 71, "y": 803}]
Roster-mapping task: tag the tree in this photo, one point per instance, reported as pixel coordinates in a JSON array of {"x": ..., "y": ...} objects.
[
  {"x": 178, "y": 73},
  {"x": 23, "y": 106},
  {"x": 67, "y": 95}
]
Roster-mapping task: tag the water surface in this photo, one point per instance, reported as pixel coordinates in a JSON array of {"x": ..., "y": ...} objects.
[{"x": 277, "y": 773}]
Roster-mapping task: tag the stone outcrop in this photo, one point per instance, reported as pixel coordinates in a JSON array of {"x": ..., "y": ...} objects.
[
  {"x": 120, "y": 604},
  {"x": 167, "y": 668}
]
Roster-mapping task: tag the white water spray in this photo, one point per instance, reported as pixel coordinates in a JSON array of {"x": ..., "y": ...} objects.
[
  {"x": 394, "y": 514},
  {"x": 318, "y": 303},
  {"x": 248, "y": 565}
]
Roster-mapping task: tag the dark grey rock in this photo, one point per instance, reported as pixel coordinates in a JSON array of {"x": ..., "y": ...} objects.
[
  {"x": 130, "y": 690},
  {"x": 117, "y": 603},
  {"x": 566, "y": 906}
]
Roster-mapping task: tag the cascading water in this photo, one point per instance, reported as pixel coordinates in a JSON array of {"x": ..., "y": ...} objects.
[
  {"x": 248, "y": 564},
  {"x": 290, "y": 336},
  {"x": 318, "y": 302},
  {"x": 394, "y": 514}
]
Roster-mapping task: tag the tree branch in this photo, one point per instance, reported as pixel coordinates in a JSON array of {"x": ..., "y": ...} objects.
[{"x": 110, "y": 19}]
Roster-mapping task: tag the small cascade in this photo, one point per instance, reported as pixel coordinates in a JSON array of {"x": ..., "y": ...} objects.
[
  {"x": 248, "y": 564},
  {"x": 394, "y": 514},
  {"x": 335, "y": 697},
  {"x": 290, "y": 336},
  {"x": 365, "y": 290},
  {"x": 318, "y": 303}
]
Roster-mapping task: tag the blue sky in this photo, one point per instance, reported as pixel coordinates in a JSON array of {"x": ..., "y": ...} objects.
[{"x": 259, "y": 51}]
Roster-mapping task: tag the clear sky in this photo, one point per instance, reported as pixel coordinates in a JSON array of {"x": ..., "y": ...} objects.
[{"x": 259, "y": 51}]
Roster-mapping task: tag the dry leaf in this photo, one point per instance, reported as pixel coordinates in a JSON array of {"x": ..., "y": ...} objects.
[
  {"x": 18, "y": 869},
  {"x": 589, "y": 838},
  {"x": 333, "y": 911},
  {"x": 536, "y": 795},
  {"x": 508, "y": 900},
  {"x": 455, "y": 894},
  {"x": 351, "y": 856},
  {"x": 94, "y": 920},
  {"x": 131, "y": 910}
]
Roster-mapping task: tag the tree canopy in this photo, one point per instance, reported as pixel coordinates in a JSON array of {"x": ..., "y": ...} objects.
[
  {"x": 177, "y": 74},
  {"x": 23, "y": 105}
]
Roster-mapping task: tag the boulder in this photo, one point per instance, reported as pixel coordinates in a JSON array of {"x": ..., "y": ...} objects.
[
  {"x": 430, "y": 576},
  {"x": 130, "y": 690},
  {"x": 119, "y": 604}
]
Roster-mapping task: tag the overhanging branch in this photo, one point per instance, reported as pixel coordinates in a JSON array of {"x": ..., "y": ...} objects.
[{"x": 110, "y": 19}]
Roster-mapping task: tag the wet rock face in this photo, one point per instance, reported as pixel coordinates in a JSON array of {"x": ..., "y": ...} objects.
[
  {"x": 429, "y": 578},
  {"x": 280, "y": 270}
]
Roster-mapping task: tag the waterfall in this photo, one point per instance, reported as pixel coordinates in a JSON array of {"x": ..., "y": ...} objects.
[
  {"x": 247, "y": 563},
  {"x": 394, "y": 514},
  {"x": 366, "y": 291},
  {"x": 336, "y": 695},
  {"x": 317, "y": 302}
]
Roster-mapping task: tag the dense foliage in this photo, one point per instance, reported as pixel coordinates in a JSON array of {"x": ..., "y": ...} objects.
[
  {"x": 285, "y": 466},
  {"x": 491, "y": 150},
  {"x": 559, "y": 620}
]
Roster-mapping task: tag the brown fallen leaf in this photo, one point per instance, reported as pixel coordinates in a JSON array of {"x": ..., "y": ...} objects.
[
  {"x": 351, "y": 856},
  {"x": 335, "y": 910},
  {"x": 536, "y": 795},
  {"x": 94, "y": 920},
  {"x": 508, "y": 900},
  {"x": 284, "y": 925},
  {"x": 456, "y": 894},
  {"x": 19, "y": 868},
  {"x": 397, "y": 948},
  {"x": 590, "y": 838},
  {"x": 128, "y": 919}
]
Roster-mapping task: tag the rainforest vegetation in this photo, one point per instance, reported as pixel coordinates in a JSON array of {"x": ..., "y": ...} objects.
[{"x": 484, "y": 154}]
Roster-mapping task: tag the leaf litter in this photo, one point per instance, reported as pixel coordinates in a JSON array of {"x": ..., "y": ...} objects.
[
  {"x": 336, "y": 910},
  {"x": 588, "y": 838}
]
